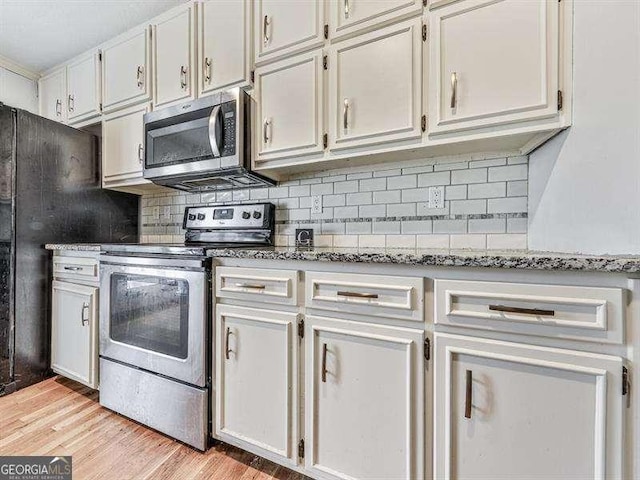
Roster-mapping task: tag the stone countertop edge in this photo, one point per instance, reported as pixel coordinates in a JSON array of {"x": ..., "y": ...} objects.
[
  {"x": 524, "y": 260},
  {"x": 76, "y": 247}
]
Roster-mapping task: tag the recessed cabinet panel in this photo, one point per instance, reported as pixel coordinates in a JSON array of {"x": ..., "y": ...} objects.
[
  {"x": 256, "y": 379},
  {"x": 284, "y": 27},
  {"x": 173, "y": 55},
  {"x": 375, "y": 87},
  {"x": 123, "y": 145},
  {"x": 125, "y": 70},
  {"x": 505, "y": 410},
  {"x": 224, "y": 59},
  {"x": 364, "y": 401},
  {"x": 53, "y": 93},
  {"x": 492, "y": 62},
  {"x": 83, "y": 97},
  {"x": 289, "y": 120},
  {"x": 74, "y": 332},
  {"x": 349, "y": 16}
]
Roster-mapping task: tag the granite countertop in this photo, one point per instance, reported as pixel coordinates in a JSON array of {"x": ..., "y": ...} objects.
[{"x": 512, "y": 259}]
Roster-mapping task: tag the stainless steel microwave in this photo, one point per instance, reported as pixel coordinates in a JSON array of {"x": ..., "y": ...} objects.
[{"x": 202, "y": 145}]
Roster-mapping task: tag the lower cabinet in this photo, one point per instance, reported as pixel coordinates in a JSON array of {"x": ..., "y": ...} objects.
[
  {"x": 74, "y": 332},
  {"x": 256, "y": 381},
  {"x": 508, "y": 410},
  {"x": 364, "y": 401}
]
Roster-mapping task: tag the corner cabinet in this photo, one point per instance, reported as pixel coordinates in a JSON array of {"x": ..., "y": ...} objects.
[
  {"x": 224, "y": 45},
  {"x": 257, "y": 380},
  {"x": 504, "y": 410},
  {"x": 493, "y": 63},
  {"x": 53, "y": 94},
  {"x": 364, "y": 400},
  {"x": 174, "y": 56},
  {"x": 126, "y": 63}
]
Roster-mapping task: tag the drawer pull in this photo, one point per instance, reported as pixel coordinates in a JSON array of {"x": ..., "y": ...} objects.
[
  {"x": 469, "y": 394},
  {"x": 525, "y": 311},
  {"x": 73, "y": 269},
  {"x": 226, "y": 341},
  {"x": 324, "y": 363},
  {"x": 357, "y": 294},
  {"x": 255, "y": 286}
]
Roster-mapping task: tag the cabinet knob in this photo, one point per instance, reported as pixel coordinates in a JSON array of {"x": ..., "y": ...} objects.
[
  {"x": 183, "y": 77},
  {"x": 85, "y": 314},
  {"x": 468, "y": 395},
  {"x": 345, "y": 114},
  {"x": 140, "y": 76},
  {"x": 58, "y": 107},
  {"x": 346, "y": 8},
  {"x": 71, "y": 103},
  {"x": 265, "y": 131},
  {"x": 140, "y": 153},
  {"x": 324, "y": 363},
  {"x": 227, "y": 350},
  {"x": 265, "y": 27},
  {"x": 454, "y": 89},
  {"x": 207, "y": 69}
]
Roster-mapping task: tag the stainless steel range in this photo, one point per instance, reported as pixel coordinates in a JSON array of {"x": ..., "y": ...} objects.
[{"x": 155, "y": 320}]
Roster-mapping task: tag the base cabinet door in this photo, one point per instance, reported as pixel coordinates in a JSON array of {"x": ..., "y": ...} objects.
[
  {"x": 74, "y": 332},
  {"x": 508, "y": 410},
  {"x": 224, "y": 42},
  {"x": 53, "y": 95},
  {"x": 364, "y": 401},
  {"x": 256, "y": 381},
  {"x": 480, "y": 78},
  {"x": 83, "y": 79}
]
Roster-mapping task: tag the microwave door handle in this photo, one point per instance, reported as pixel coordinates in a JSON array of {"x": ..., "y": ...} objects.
[{"x": 213, "y": 124}]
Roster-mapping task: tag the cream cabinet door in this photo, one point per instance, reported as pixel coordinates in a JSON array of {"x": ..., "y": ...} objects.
[
  {"x": 174, "y": 56},
  {"x": 126, "y": 62},
  {"x": 284, "y": 27},
  {"x": 18, "y": 91},
  {"x": 289, "y": 107},
  {"x": 74, "y": 332},
  {"x": 225, "y": 53},
  {"x": 123, "y": 146},
  {"x": 364, "y": 407},
  {"x": 375, "y": 87},
  {"x": 257, "y": 380},
  {"x": 505, "y": 410},
  {"x": 83, "y": 80},
  {"x": 350, "y": 16},
  {"x": 479, "y": 77},
  {"x": 53, "y": 93}
]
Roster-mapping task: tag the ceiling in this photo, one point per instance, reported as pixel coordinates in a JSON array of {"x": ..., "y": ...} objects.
[{"x": 39, "y": 34}]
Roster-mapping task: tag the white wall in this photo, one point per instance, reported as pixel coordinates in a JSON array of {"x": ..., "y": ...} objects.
[
  {"x": 584, "y": 185},
  {"x": 18, "y": 91}
]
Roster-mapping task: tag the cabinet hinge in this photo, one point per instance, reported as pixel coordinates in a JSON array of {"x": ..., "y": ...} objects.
[
  {"x": 423, "y": 123},
  {"x": 99, "y": 56},
  {"x": 300, "y": 319},
  {"x": 301, "y": 448},
  {"x": 325, "y": 140},
  {"x": 325, "y": 62},
  {"x": 252, "y": 75},
  {"x": 424, "y": 32},
  {"x": 326, "y": 31},
  {"x": 559, "y": 99},
  {"x": 625, "y": 380},
  {"x": 427, "y": 349}
]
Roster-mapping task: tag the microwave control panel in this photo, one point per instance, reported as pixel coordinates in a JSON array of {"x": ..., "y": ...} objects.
[{"x": 229, "y": 129}]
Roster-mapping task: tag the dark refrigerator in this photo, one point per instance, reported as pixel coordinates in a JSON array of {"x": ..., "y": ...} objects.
[{"x": 50, "y": 192}]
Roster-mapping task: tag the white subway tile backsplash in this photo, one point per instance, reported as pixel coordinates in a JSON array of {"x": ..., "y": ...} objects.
[{"x": 485, "y": 205}]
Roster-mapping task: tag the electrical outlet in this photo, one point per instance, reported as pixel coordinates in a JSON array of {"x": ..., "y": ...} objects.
[
  {"x": 165, "y": 212},
  {"x": 316, "y": 204},
  {"x": 436, "y": 197}
]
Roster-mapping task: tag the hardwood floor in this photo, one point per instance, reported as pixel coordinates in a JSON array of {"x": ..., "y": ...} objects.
[{"x": 61, "y": 417}]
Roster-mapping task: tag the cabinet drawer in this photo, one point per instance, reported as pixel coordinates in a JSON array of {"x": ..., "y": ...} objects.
[
  {"x": 380, "y": 296},
  {"x": 69, "y": 267},
  {"x": 257, "y": 285},
  {"x": 581, "y": 313}
]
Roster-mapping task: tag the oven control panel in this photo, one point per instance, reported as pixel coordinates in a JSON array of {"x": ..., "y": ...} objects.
[{"x": 219, "y": 217}]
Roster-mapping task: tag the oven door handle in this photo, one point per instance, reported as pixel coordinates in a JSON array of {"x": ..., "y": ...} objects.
[{"x": 214, "y": 121}]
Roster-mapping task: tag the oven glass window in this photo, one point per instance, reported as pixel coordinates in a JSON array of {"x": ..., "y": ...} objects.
[{"x": 150, "y": 312}]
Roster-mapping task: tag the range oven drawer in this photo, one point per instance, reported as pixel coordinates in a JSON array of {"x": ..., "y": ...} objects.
[{"x": 173, "y": 408}]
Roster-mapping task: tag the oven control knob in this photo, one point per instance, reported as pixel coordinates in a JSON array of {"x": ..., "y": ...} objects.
[
  {"x": 201, "y": 216},
  {"x": 246, "y": 215},
  {"x": 191, "y": 216},
  {"x": 257, "y": 214}
]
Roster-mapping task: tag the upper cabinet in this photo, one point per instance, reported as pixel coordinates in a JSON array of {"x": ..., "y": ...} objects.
[
  {"x": 18, "y": 91},
  {"x": 375, "y": 86},
  {"x": 350, "y": 16},
  {"x": 83, "y": 88},
  {"x": 174, "y": 56},
  {"x": 53, "y": 95},
  {"x": 125, "y": 70},
  {"x": 285, "y": 27},
  {"x": 493, "y": 62},
  {"x": 224, "y": 45}
]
